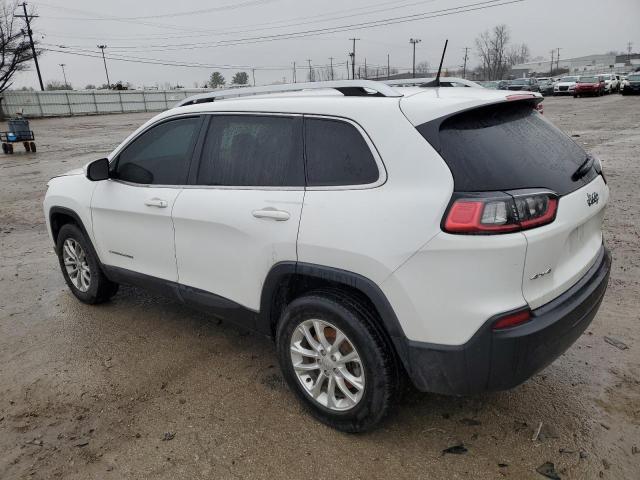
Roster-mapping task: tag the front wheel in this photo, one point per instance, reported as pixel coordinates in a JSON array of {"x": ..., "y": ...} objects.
[
  {"x": 336, "y": 361},
  {"x": 80, "y": 267}
]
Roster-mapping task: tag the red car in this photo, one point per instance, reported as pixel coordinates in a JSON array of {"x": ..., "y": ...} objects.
[{"x": 589, "y": 85}]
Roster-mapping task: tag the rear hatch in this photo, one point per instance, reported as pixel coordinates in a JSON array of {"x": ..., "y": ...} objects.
[{"x": 509, "y": 146}]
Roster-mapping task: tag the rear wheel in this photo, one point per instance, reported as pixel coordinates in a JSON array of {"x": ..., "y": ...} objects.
[
  {"x": 80, "y": 267},
  {"x": 33, "y": 146},
  {"x": 9, "y": 148},
  {"x": 26, "y": 146},
  {"x": 336, "y": 361}
]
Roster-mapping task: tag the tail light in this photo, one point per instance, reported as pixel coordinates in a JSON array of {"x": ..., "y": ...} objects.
[
  {"x": 500, "y": 212},
  {"x": 512, "y": 319}
]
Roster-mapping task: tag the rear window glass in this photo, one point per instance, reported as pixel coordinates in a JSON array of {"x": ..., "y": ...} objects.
[{"x": 505, "y": 147}]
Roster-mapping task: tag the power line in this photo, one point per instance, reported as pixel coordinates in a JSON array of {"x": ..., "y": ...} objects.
[
  {"x": 328, "y": 30},
  {"x": 27, "y": 19},
  {"x": 335, "y": 15}
]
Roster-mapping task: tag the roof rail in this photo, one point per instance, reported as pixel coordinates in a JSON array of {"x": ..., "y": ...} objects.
[
  {"x": 349, "y": 88},
  {"x": 427, "y": 82}
]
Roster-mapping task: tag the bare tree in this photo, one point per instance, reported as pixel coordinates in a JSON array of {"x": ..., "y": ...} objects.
[
  {"x": 422, "y": 68},
  {"x": 15, "y": 50},
  {"x": 57, "y": 85},
  {"x": 492, "y": 50},
  {"x": 518, "y": 54}
]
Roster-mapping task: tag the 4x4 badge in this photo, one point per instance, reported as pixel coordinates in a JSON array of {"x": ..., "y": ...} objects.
[{"x": 592, "y": 198}]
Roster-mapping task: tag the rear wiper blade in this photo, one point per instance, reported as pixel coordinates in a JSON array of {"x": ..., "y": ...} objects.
[{"x": 583, "y": 169}]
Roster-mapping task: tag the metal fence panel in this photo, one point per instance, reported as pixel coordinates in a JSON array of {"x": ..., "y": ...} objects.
[{"x": 63, "y": 103}]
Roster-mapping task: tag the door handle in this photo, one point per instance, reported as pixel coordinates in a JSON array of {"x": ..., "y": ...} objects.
[
  {"x": 156, "y": 202},
  {"x": 278, "y": 215}
]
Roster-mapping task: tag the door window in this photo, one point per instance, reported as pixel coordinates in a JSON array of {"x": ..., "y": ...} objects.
[
  {"x": 161, "y": 155},
  {"x": 253, "y": 151}
]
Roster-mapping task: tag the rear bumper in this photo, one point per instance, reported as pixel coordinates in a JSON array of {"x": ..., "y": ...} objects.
[{"x": 502, "y": 360}]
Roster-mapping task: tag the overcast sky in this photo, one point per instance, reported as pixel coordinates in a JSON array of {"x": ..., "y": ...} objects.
[{"x": 191, "y": 32}]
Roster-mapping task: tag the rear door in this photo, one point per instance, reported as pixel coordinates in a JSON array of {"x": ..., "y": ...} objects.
[
  {"x": 510, "y": 146},
  {"x": 242, "y": 214}
]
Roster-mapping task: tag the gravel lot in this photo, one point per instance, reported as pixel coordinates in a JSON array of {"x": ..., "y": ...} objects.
[{"x": 143, "y": 387}]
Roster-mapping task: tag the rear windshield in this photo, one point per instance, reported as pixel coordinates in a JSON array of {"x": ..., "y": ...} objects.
[
  {"x": 505, "y": 147},
  {"x": 588, "y": 80}
]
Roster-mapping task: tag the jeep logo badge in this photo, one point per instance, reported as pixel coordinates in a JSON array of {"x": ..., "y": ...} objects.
[{"x": 592, "y": 198}]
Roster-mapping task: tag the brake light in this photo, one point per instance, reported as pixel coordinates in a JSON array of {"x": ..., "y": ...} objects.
[
  {"x": 512, "y": 320},
  {"x": 484, "y": 213}
]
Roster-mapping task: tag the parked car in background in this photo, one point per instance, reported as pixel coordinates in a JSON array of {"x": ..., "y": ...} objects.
[
  {"x": 503, "y": 84},
  {"x": 631, "y": 84},
  {"x": 524, "y": 84},
  {"x": 492, "y": 85},
  {"x": 592, "y": 85},
  {"x": 546, "y": 86},
  {"x": 611, "y": 83},
  {"x": 565, "y": 86}
]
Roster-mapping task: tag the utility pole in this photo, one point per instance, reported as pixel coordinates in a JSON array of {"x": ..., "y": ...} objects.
[
  {"x": 353, "y": 58},
  {"x": 102, "y": 47},
  {"x": 558, "y": 59},
  {"x": 331, "y": 60},
  {"x": 365, "y": 68},
  {"x": 294, "y": 72},
  {"x": 629, "y": 49},
  {"x": 551, "y": 66},
  {"x": 388, "y": 69},
  {"x": 348, "y": 67},
  {"x": 253, "y": 74},
  {"x": 27, "y": 20},
  {"x": 414, "y": 41},
  {"x": 64, "y": 74},
  {"x": 466, "y": 57},
  {"x": 311, "y": 79}
]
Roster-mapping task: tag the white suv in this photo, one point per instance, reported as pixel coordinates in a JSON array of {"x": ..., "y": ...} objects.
[
  {"x": 611, "y": 82},
  {"x": 448, "y": 235}
]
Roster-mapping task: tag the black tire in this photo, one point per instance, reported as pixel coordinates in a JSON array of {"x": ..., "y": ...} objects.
[
  {"x": 100, "y": 288},
  {"x": 382, "y": 373},
  {"x": 9, "y": 148},
  {"x": 26, "y": 146},
  {"x": 33, "y": 146},
  {"x": 5, "y": 148}
]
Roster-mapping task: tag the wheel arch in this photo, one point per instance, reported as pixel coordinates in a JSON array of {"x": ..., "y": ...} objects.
[
  {"x": 289, "y": 280},
  {"x": 60, "y": 216}
]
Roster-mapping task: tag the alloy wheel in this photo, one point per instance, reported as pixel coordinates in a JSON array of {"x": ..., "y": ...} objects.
[
  {"x": 76, "y": 264},
  {"x": 327, "y": 365}
]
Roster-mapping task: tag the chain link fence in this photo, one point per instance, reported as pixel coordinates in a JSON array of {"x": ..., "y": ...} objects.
[{"x": 66, "y": 103}]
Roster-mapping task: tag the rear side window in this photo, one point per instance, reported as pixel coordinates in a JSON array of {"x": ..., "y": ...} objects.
[
  {"x": 252, "y": 150},
  {"x": 161, "y": 155},
  {"x": 505, "y": 147},
  {"x": 336, "y": 154}
]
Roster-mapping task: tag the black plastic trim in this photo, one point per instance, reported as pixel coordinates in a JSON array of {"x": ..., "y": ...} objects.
[
  {"x": 502, "y": 359},
  {"x": 70, "y": 213},
  {"x": 208, "y": 302}
]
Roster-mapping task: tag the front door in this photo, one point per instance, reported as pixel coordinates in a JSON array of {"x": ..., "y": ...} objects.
[{"x": 131, "y": 211}]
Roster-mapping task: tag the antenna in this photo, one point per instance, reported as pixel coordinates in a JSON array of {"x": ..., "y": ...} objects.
[{"x": 436, "y": 82}]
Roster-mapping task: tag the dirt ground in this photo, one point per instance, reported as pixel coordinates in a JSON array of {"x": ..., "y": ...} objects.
[{"x": 143, "y": 387}]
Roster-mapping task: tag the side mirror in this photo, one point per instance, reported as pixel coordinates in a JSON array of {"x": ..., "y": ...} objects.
[{"x": 98, "y": 170}]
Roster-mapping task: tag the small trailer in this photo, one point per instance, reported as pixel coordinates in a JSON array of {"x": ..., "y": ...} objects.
[{"x": 19, "y": 132}]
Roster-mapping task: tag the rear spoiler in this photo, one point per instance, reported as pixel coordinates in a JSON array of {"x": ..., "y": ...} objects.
[{"x": 431, "y": 129}]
